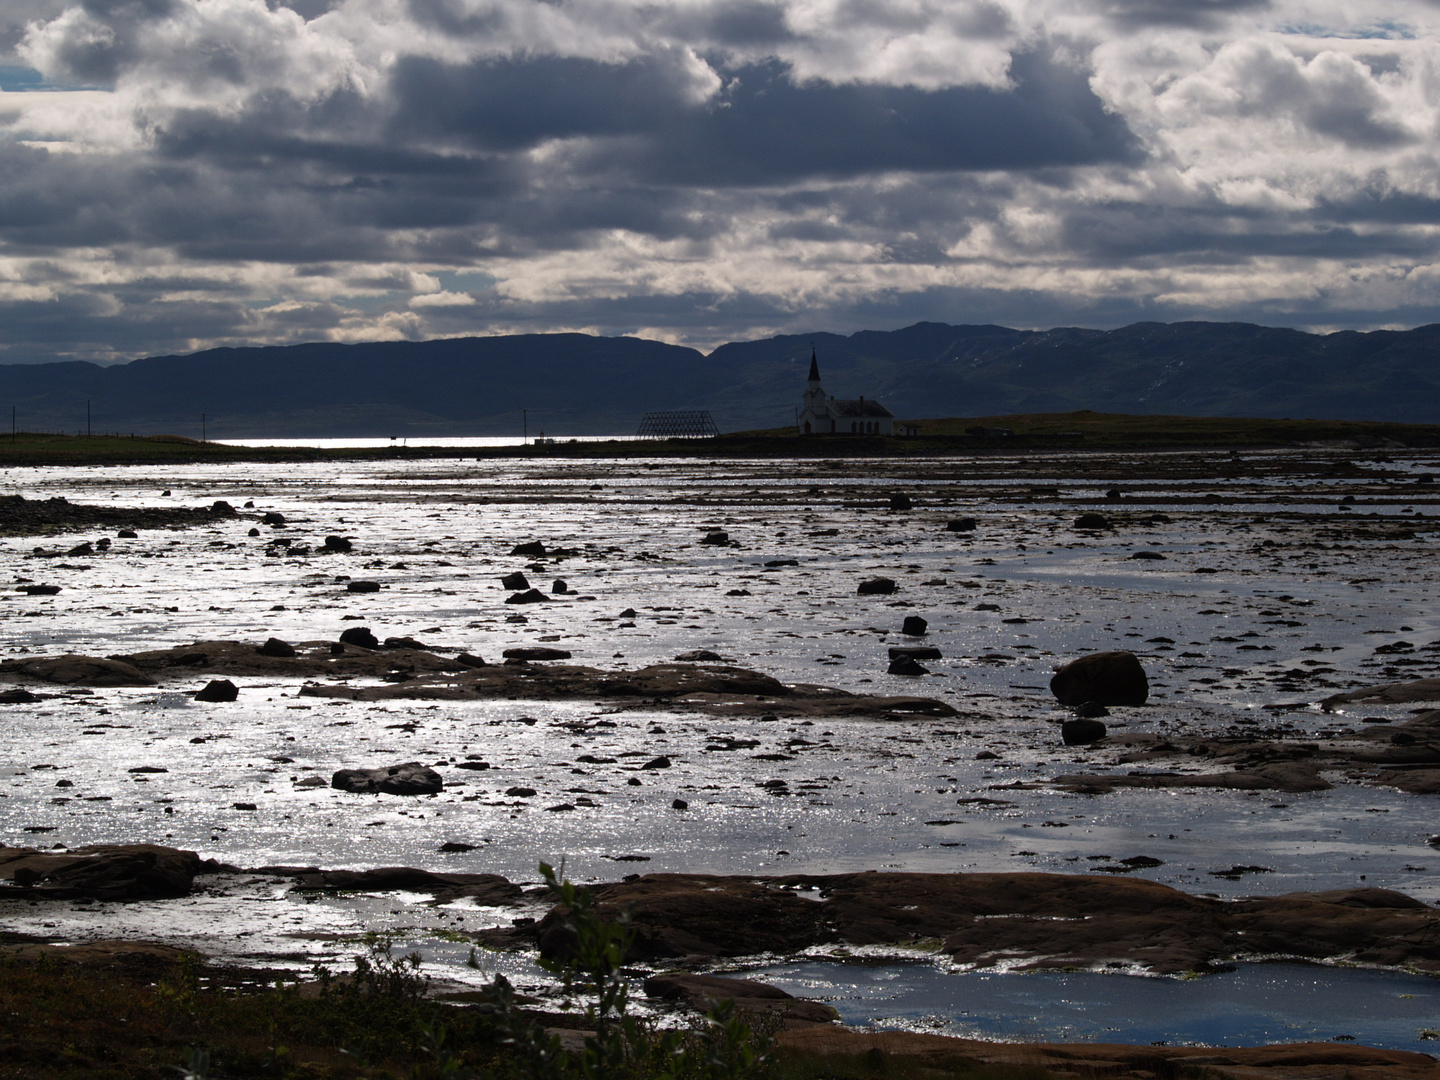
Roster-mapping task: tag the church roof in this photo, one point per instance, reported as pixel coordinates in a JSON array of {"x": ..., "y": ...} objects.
[
  {"x": 857, "y": 408},
  {"x": 814, "y": 366}
]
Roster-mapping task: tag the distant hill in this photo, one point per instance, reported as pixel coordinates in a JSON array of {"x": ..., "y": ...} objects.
[{"x": 577, "y": 384}]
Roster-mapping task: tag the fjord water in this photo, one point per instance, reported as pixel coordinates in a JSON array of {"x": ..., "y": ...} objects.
[{"x": 1219, "y": 623}]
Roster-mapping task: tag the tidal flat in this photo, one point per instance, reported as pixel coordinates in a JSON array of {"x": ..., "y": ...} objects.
[{"x": 1251, "y": 585}]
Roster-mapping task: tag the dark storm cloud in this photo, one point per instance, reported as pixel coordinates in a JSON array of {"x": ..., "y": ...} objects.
[
  {"x": 98, "y": 59},
  {"x": 765, "y": 128},
  {"x": 1178, "y": 13}
]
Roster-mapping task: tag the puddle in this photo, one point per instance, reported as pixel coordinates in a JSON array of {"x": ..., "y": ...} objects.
[{"x": 1251, "y": 1006}]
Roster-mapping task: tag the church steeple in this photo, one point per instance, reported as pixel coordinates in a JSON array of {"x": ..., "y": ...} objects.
[{"x": 814, "y": 366}]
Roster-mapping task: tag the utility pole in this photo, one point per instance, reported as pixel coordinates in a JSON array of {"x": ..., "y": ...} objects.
[{"x": 524, "y": 427}]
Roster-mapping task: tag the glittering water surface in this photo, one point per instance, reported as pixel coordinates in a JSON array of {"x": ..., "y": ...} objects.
[{"x": 1272, "y": 591}]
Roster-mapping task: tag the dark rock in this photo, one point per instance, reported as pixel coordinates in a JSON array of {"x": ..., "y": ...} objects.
[
  {"x": 628, "y": 613},
  {"x": 915, "y": 652},
  {"x": 1151, "y": 555},
  {"x": 914, "y": 626},
  {"x": 455, "y": 847},
  {"x": 222, "y": 508},
  {"x": 411, "y": 778},
  {"x": 337, "y": 545},
  {"x": 1113, "y": 493},
  {"x": 253, "y": 532},
  {"x": 272, "y": 518},
  {"x": 718, "y": 538},
  {"x": 17, "y": 697},
  {"x": 1081, "y": 731},
  {"x": 218, "y": 690},
  {"x": 520, "y": 792},
  {"x": 244, "y": 806},
  {"x": 905, "y": 665},
  {"x": 103, "y": 872},
  {"x": 407, "y": 643},
  {"x": 879, "y": 586},
  {"x": 960, "y": 525},
  {"x": 558, "y": 587},
  {"x": 127, "y": 534},
  {"x": 774, "y": 564},
  {"x": 75, "y": 670},
  {"x": 534, "y": 549},
  {"x": 1109, "y": 678},
  {"x": 471, "y": 660},
  {"x": 661, "y": 762},
  {"x": 536, "y": 652},
  {"x": 530, "y": 596},
  {"x": 987, "y": 607},
  {"x": 679, "y": 804},
  {"x": 1091, "y": 710},
  {"x": 103, "y": 544},
  {"x": 473, "y": 766},
  {"x": 900, "y": 501},
  {"x": 1092, "y": 521},
  {"x": 148, "y": 769},
  {"x": 700, "y": 656},
  {"x": 362, "y": 636},
  {"x": 276, "y": 647},
  {"x": 81, "y": 549},
  {"x": 362, "y": 586},
  {"x": 40, "y": 590},
  {"x": 515, "y": 581}
]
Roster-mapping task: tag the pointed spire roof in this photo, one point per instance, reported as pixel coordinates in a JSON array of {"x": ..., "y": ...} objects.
[{"x": 814, "y": 366}]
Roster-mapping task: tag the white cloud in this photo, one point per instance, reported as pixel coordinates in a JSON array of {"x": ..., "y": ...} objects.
[{"x": 708, "y": 168}]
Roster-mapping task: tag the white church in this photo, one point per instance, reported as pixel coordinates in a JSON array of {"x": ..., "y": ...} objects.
[{"x": 821, "y": 415}]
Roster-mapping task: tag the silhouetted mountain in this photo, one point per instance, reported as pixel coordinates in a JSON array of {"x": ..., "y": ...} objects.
[{"x": 577, "y": 384}]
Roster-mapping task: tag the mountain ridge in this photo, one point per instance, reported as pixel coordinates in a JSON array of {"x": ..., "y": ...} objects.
[{"x": 574, "y": 384}]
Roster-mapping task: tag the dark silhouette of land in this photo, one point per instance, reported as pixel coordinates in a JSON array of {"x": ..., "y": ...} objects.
[{"x": 575, "y": 384}]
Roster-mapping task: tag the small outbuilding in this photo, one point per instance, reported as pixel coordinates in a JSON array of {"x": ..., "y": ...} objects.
[{"x": 822, "y": 415}]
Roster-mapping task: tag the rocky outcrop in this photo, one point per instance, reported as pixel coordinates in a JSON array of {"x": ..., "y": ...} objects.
[
  {"x": 914, "y": 1053},
  {"x": 411, "y": 778},
  {"x": 485, "y": 889},
  {"x": 102, "y": 872},
  {"x": 1109, "y": 678},
  {"x": 75, "y": 670}
]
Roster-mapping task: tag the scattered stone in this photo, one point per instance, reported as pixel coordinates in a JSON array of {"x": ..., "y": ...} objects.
[
  {"x": 1091, "y": 710},
  {"x": 361, "y": 636},
  {"x": 221, "y": 508},
  {"x": 40, "y": 590},
  {"x": 703, "y": 992},
  {"x": 530, "y": 596},
  {"x": 534, "y": 549},
  {"x": 1082, "y": 731},
  {"x": 906, "y": 665},
  {"x": 311, "y": 782},
  {"x": 879, "y": 586},
  {"x": 244, "y": 806},
  {"x": 1109, "y": 678},
  {"x": 967, "y": 524},
  {"x": 272, "y": 518},
  {"x": 915, "y": 652},
  {"x": 411, "y": 778},
  {"x": 700, "y": 656},
  {"x": 914, "y": 626},
  {"x": 661, "y": 762},
  {"x": 515, "y": 582},
  {"x": 679, "y": 804},
  {"x": 520, "y": 792},
  {"x": 901, "y": 501},
  {"x": 218, "y": 690},
  {"x": 81, "y": 549},
  {"x": 558, "y": 587},
  {"x": 473, "y": 766},
  {"x": 127, "y": 534},
  {"x": 719, "y": 538},
  {"x": 1092, "y": 522},
  {"x": 337, "y": 545},
  {"x": 17, "y": 697},
  {"x": 276, "y": 647},
  {"x": 454, "y": 847},
  {"x": 1148, "y": 555},
  {"x": 362, "y": 586},
  {"x": 407, "y": 643}
]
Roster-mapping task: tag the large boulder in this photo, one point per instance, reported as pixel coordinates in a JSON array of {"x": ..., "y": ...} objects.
[
  {"x": 880, "y": 586},
  {"x": 411, "y": 778},
  {"x": 1110, "y": 678}
]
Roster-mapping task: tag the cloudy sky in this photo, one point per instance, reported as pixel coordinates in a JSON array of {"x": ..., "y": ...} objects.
[{"x": 176, "y": 174}]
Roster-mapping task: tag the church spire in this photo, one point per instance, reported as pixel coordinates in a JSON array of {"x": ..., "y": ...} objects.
[{"x": 814, "y": 366}]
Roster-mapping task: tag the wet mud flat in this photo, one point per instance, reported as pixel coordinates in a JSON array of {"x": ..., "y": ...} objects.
[{"x": 1253, "y": 588}]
